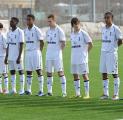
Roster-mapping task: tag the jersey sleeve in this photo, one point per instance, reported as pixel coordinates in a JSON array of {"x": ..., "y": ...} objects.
[
  {"x": 40, "y": 35},
  {"x": 118, "y": 33},
  {"x": 62, "y": 35},
  {"x": 4, "y": 41},
  {"x": 87, "y": 37},
  {"x": 21, "y": 36},
  {"x": 7, "y": 39}
]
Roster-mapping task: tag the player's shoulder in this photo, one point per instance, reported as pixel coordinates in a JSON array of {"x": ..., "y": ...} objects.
[
  {"x": 115, "y": 27},
  {"x": 19, "y": 29},
  {"x": 59, "y": 28},
  {"x": 36, "y": 28},
  {"x": 84, "y": 32}
]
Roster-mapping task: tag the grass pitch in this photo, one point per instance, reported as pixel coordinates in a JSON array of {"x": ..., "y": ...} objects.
[{"x": 58, "y": 108}]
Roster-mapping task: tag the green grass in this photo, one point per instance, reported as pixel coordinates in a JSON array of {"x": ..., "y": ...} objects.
[{"x": 58, "y": 108}]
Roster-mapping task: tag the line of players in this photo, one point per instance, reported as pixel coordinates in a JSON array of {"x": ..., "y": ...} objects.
[{"x": 12, "y": 53}]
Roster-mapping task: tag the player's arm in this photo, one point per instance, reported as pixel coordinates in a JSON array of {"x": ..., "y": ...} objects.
[
  {"x": 88, "y": 41},
  {"x": 6, "y": 57},
  {"x": 20, "y": 52},
  {"x": 90, "y": 45},
  {"x": 62, "y": 39},
  {"x": 119, "y": 36},
  {"x": 120, "y": 42},
  {"x": 21, "y": 42},
  {"x": 41, "y": 45},
  {"x": 62, "y": 44},
  {"x": 40, "y": 37}
]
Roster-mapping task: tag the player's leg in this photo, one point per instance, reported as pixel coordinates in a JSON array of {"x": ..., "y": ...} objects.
[
  {"x": 41, "y": 82},
  {"x": 22, "y": 81},
  {"x": 13, "y": 81},
  {"x": 103, "y": 70},
  {"x": 116, "y": 87},
  {"x": 49, "y": 66},
  {"x": 20, "y": 69},
  {"x": 63, "y": 83},
  {"x": 77, "y": 85},
  {"x": 12, "y": 69},
  {"x": 105, "y": 86},
  {"x": 29, "y": 78},
  {"x": 86, "y": 85},
  {"x": 75, "y": 72},
  {"x": 3, "y": 72},
  {"x": 84, "y": 70},
  {"x": 58, "y": 65},
  {"x": 49, "y": 83},
  {"x": 113, "y": 69},
  {"x": 6, "y": 88},
  {"x": 1, "y": 90},
  {"x": 29, "y": 69},
  {"x": 37, "y": 65}
]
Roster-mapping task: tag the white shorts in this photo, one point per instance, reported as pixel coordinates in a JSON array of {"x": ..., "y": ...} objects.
[
  {"x": 14, "y": 66},
  {"x": 109, "y": 63},
  {"x": 33, "y": 60},
  {"x": 3, "y": 66},
  {"x": 80, "y": 68},
  {"x": 54, "y": 64}
]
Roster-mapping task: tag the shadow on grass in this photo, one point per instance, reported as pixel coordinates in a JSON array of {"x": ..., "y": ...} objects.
[{"x": 72, "y": 104}]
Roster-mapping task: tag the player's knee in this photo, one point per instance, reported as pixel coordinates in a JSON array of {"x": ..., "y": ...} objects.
[
  {"x": 60, "y": 73},
  {"x": 85, "y": 77},
  {"x": 5, "y": 75},
  {"x": 115, "y": 75},
  {"x": 29, "y": 72},
  {"x": 21, "y": 72},
  {"x": 76, "y": 76},
  {"x": 104, "y": 76},
  {"x": 49, "y": 74},
  {"x": 39, "y": 72},
  {"x": 12, "y": 72}
]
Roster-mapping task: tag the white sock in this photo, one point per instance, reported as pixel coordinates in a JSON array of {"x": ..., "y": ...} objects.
[
  {"x": 77, "y": 87},
  {"x": 41, "y": 83},
  {"x": 116, "y": 86},
  {"x": 86, "y": 86},
  {"x": 22, "y": 82},
  {"x": 1, "y": 84},
  {"x": 6, "y": 82},
  {"x": 49, "y": 84},
  {"x": 63, "y": 84},
  {"x": 13, "y": 82},
  {"x": 106, "y": 87},
  {"x": 29, "y": 83}
]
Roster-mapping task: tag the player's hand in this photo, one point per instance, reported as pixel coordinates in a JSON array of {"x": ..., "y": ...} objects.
[
  {"x": 18, "y": 61},
  {"x": 62, "y": 45},
  {"x": 6, "y": 61}
]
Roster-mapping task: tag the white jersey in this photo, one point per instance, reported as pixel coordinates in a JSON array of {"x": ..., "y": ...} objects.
[
  {"x": 14, "y": 38},
  {"x": 110, "y": 37},
  {"x": 3, "y": 45},
  {"x": 79, "y": 46},
  {"x": 33, "y": 37},
  {"x": 53, "y": 37}
]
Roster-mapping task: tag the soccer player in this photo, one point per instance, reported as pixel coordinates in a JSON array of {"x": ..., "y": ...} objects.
[
  {"x": 81, "y": 44},
  {"x": 55, "y": 44},
  {"x": 111, "y": 39},
  {"x": 3, "y": 66},
  {"x": 14, "y": 54},
  {"x": 33, "y": 56}
]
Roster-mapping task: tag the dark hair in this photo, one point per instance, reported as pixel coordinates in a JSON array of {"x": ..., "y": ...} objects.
[
  {"x": 52, "y": 16},
  {"x": 74, "y": 20},
  {"x": 31, "y": 16},
  {"x": 15, "y": 19},
  {"x": 1, "y": 25},
  {"x": 109, "y": 13}
]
